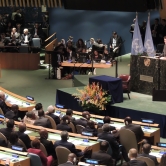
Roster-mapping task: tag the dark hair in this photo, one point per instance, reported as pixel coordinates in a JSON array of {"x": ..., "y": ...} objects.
[
  {"x": 10, "y": 123},
  {"x": 91, "y": 124},
  {"x": 64, "y": 135},
  {"x": 128, "y": 120},
  {"x": 36, "y": 143},
  {"x": 163, "y": 160},
  {"x": 106, "y": 119},
  {"x": 69, "y": 112},
  {"x": 65, "y": 117},
  {"x": 99, "y": 41},
  {"x": 104, "y": 145},
  {"x": 40, "y": 113},
  {"x": 13, "y": 139},
  {"x": 38, "y": 106},
  {"x": 78, "y": 44},
  {"x": 146, "y": 148}
]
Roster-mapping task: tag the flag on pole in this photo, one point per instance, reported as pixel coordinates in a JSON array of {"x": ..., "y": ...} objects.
[
  {"x": 148, "y": 43},
  {"x": 137, "y": 45}
]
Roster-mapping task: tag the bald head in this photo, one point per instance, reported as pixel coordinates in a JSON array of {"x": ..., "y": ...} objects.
[
  {"x": 86, "y": 115},
  {"x": 2, "y": 96},
  {"x": 132, "y": 153},
  {"x": 43, "y": 133},
  {"x": 51, "y": 109},
  {"x": 22, "y": 127},
  {"x": 71, "y": 157}
]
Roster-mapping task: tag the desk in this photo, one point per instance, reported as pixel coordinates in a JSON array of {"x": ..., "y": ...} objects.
[
  {"x": 111, "y": 84},
  {"x": 95, "y": 65},
  {"x": 6, "y": 153}
]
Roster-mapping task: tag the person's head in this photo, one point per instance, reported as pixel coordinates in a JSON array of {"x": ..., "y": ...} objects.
[
  {"x": 14, "y": 30},
  {"x": 64, "y": 135},
  {"x": 36, "y": 143},
  {"x": 2, "y": 96},
  {"x": 96, "y": 53},
  {"x": 134, "y": 20},
  {"x": 156, "y": 21},
  {"x": 86, "y": 115},
  {"x": 31, "y": 115},
  {"x": 92, "y": 40},
  {"x": 69, "y": 43},
  {"x": 106, "y": 119},
  {"x": 38, "y": 106},
  {"x": 43, "y": 133},
  {"x": 132, "y": 153},
  {"x": 22, "y": 127},
  {"x": 10, "y": 124},
  {"x": 40, "y": 113},
  {"x": 25, "y": 31},
  {"x": 69, "y": 112},
  {"x": 72, "y": 158},
  {"x": 91, "y": 124},
  {"x": 104, "y": 145},
  {"x": 18, "y": 25},
  {"x": 127, "y": 120},
  {"x": 80, "y": 42},
  {"x": 66, "y": 119},
  {"x": 106, "y": 127},
  {"x": 99, "y": 41},
  {"x": 36, "y": 25},
  {"x": 146, "y": 148},
  {"x": 13, "y": 139},
  {"x": 51, "y": 109},
  {"x": 114, "y": 34},
  {"x": 15, "y": 108},
  {"x": 163, "y": 160},
  {"x": 9, "y": 24}
]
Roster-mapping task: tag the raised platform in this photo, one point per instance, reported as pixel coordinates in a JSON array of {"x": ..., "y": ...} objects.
[{"x": 139, "y": 106}]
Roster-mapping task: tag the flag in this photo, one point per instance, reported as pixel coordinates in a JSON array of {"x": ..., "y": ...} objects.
[
  {"x": 137, "y": 45},
  {"x": 148, "y": 43}
]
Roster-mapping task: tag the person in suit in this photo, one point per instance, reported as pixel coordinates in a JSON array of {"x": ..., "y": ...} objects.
[
  {"x": 26, "y": 37},
  {"x": 135, "y": 128},
  {"x": 64, "y": 125},
  {"x": 3, "y": 143},
  {"x": 13, "y": 42},
  {"x": 47, "y": 144},
  {"x": 69, "y": 113},
  {"x": 84, "y": 119},
  {"x": 63, "y": 142},
  {"x": 42, "y": 121},
  {"x": 71, "y": 160},
  {"x": 3, "y": 105},
  {"x": 50, "y": 112},
  {"x": 71, "y": 54},
  {"x": 163, "y": 160},
  {"x": 10, "y": 127},
  {"x": 146, "y": 150},
  {"x": 29, "y": 118},
  {"x": 37, "y": 31},
  {"x": 90, "y": 128},
  {"x": 15, "y": 33},
  {"x": 133, "y": 159},
  {"x": 13, "y": 113},
  {"x": 102, "y": 156},
  {"x": 115, "y": 45},
  {"x": 22, "y": 136},
  {"x": 46, "y": 161},
  {"x": 116, "y": 149}
]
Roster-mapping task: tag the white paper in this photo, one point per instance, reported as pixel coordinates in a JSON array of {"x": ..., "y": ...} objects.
[{"x": 28, "y": 132}]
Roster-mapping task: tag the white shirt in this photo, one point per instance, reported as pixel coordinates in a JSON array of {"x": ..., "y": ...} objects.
[
  {"x": 26, "y": 38},
  {"x": 114, "y": 42}
]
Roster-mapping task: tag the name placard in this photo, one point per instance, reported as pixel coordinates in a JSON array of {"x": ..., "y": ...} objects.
[{"x": 146, "y": 78}]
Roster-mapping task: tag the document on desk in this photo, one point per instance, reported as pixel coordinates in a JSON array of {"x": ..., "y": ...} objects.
[
  {"x": 156, "y": 154},
  {"x": 28, "y": 132},
  {"x": 117, "y": 125},
  {"x": 148, "y": 130},
  {"x": 54, "y": 137}
]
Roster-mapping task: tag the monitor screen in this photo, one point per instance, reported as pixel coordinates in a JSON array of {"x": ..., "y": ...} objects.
[
  {"x": 59, "y": 106},
  {"x": 99, "y": 121},
  {"x": 18, "y": 148},
  {"x": 87, "y": 134},
  {"x": 30, "y": 98},
  {"x": 92, "y": 161},
  {"x": 150, "y": 121},
  {"x": 161, "y": 144}
]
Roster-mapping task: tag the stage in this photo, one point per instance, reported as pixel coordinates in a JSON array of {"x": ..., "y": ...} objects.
[{"x": 139, "y": 106}]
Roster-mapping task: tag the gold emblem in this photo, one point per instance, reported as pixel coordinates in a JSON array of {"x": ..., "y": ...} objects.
[{"x": 147, "y": 62}]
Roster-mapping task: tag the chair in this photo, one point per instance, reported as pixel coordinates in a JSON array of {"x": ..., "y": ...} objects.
[
  {"x": 62, "y": 154},
  {"x": 79, "y": 129},
  {"x": 99, "y": 130},
  {"x": 36, "y": 42},
  {"x": 72, "y": 127},
  {"x": 53, "y": 124},
  {"x": 22, "y": 144},
  {"x": 24, "y": 48},
  {"x": 1, "y": 112},
  {"x": 43, "y": 149},
  {"x": 147, "y": 160},
  {"x": 4, "y": 138},
  {"x": 34, "y": 160},
  {"x": 125, "y": 134},
  {"x": 125, "y": 83}
]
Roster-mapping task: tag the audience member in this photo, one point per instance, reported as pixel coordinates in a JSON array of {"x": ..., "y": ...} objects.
[
  {"x": 133, "y": 159},
  {"x": 46, "y": 161},
  {"x": 146, "y": 150},
  {"x": 80, "y": 45},
  {"x": 7, "y": 131},
  {"x": 29, "y": 118},
  {"x": 135, "y": 128},
  {"x": 84, "y": 119},
  {"x": 21, "y": 135},
  {"x": 63, "y": 126},
  {"x": 13, "y": 113},
  {"x": 50, "y": 112},
  {"x": 15, "y": 33},
  {"x": 19, "y": 28},
  {"x": 71, "y": 160},
  {"x": 26, "y": 37},
  {"x": 38, "y": 107},
  {"x": 42, "y": 121},
  {"x": 163, "y": 160},
  {"x": 37, "y": 31},
  {"x": 47, "y": 144},
  {"x": 90, "y": 128},
  {"x": 69, "y": 113},
  {"x": 102, "y": 156},
  {"x": 8, "y": 29},
  {"x": 13, "y": 42}
]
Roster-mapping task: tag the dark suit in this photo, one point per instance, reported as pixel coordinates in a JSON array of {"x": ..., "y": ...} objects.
[
  {"x": 137, "y": 130},
  {"x": 104, "y": 158},
  {"x": 66, "y": 164},
  {"x": 25, "y": 138},
  {"x": 4, "y": 107},
  {"x": 112, "y": 141},
  {"x": 135, "y": 163},
  {"x": 151, "y": 157},
  {"x": 6, "y": 132},
  {"x": 3, "y": 143},
  {"x": 88, "y": 129},
  {"x": 49, "y": 147},
  {"x": 22, "y": 38},
  {"x": 64, "y": 127},
  {"x": 69, "y": 146},
  {"x": 81, "y": 121},
  {"x": 11, "y": 115},
  {"x": 42, "y": 121},
  {"x": 39, "y": 32},
  {"x": 56, "y": 118}
]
